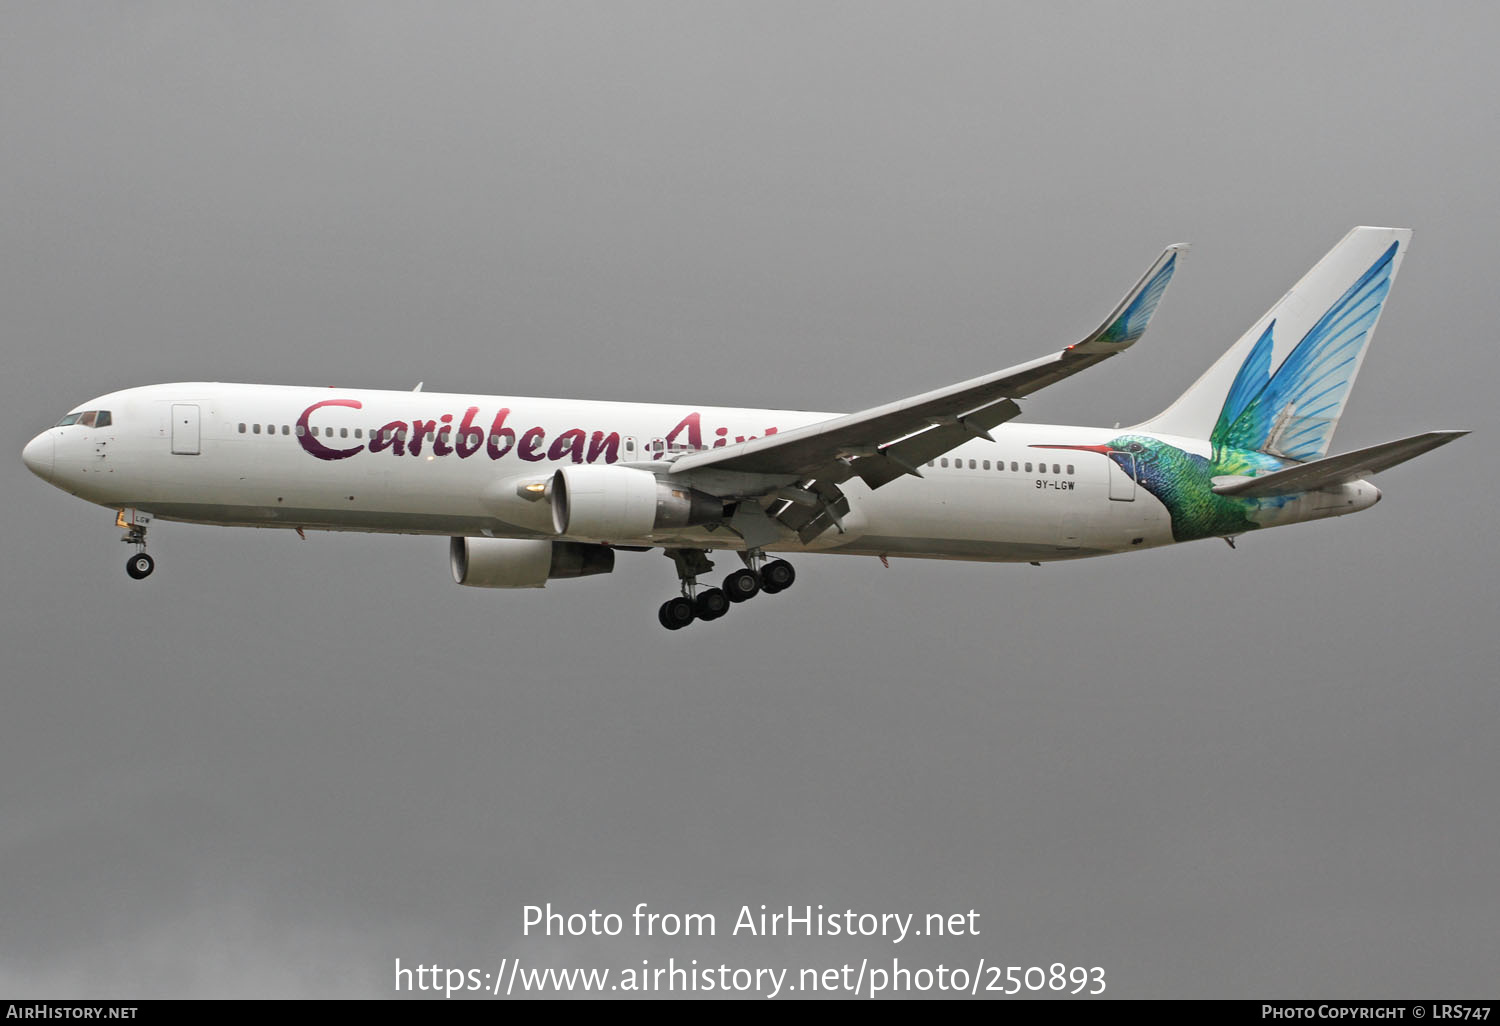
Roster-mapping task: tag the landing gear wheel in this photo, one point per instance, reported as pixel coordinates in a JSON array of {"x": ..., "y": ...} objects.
[
  {"x": 677, "y": 613},
  {"x": 742, "y": 585},
  {"x": 711, "y": 604},
  {"x": 139, "y": 566},
  {"x": 777, "y": 575}
]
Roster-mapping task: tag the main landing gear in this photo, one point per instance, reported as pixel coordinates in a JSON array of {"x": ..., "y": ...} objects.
[
  {"x": 139, "y": 565},
  {"x": 712, "y": 603}
]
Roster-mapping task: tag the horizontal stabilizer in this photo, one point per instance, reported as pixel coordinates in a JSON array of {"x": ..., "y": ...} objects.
[{"x": 1334, "y": 470}]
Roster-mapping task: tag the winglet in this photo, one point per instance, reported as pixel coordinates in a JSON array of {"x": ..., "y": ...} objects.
[{"x": 1129, "y": 320}]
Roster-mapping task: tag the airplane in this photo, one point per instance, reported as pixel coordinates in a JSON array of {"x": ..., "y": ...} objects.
[{"x": 531, "y": 490}]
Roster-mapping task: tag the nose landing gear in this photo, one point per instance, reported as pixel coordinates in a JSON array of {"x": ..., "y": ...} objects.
[{"x": 139, "y": 565}]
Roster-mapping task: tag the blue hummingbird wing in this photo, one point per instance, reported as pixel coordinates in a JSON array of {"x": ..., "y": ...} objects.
[
  {"x": 1254, "y": 375},
  {"x": 1292, "y": 412}
]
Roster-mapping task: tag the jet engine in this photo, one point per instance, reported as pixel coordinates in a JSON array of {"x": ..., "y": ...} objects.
[
  {"x": 524, "y": 562},
  {"x": 618, "y": 503}
]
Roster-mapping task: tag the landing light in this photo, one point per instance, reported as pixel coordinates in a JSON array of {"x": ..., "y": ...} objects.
[{"x": 533, "y": 491}]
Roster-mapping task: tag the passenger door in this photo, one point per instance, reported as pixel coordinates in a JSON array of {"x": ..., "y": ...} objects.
[
  {"x": 1122, "y": 480},
  {"x": 185, "y": 429}
]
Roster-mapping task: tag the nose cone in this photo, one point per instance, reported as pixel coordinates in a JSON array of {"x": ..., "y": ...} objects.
[{"x": 38, "y": 455}]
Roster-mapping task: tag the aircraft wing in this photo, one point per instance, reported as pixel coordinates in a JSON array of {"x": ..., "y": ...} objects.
[{"x": 880, "y": 444}]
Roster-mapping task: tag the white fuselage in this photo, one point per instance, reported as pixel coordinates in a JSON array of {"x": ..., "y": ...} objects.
[{"x": 422, "y": 462}]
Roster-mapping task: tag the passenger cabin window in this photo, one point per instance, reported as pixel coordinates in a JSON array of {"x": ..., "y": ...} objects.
[
  {"x": 1013, "y": 466},
  {"x": 986, "y": 464},
  {"x": 1028, "y": 468},
  {"x": 286, "y": 429},
  {"x": 1070, "y": 470},
  {"x": 257, "y": 429},
  {"x": 944, "y": 461}
]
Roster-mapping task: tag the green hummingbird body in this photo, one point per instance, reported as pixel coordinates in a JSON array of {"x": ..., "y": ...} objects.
[{"x": 1183, "y": 481}]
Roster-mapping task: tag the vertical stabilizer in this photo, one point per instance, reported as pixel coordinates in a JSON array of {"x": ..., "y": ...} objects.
[{"x": 1282, "y": 387}]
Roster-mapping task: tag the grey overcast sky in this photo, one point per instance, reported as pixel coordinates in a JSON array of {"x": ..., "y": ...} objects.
[{"x": 278, "y": 766}]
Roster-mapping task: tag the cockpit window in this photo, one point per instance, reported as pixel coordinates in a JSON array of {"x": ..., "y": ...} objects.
[{"x": 91, "y": 418}]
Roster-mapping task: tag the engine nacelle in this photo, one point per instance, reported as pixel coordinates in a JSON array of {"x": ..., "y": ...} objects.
[
  {"x": 524, "y": 562},
  {"x": 616, "y": 503}
]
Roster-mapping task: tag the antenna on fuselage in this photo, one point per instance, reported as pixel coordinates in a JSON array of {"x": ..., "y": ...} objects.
[{"x": 419, "y": 386}]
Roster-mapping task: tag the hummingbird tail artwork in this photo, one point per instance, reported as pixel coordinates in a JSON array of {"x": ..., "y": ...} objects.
[{"x": 1246, "y": 445}]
